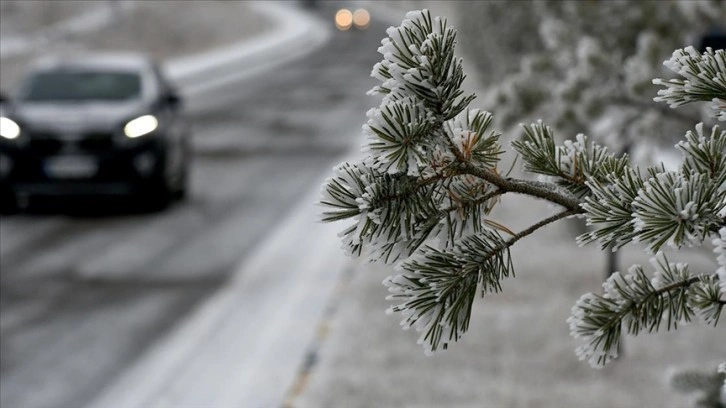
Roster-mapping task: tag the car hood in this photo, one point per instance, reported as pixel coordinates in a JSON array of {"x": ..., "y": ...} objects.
[{"x": 76, "y": 116}]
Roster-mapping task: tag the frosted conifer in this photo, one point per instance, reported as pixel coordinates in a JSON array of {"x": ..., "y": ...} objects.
[{"x": 422, "y": 195}]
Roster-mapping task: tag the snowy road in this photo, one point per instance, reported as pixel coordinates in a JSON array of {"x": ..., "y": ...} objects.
[{"x": 83, "y": 295}]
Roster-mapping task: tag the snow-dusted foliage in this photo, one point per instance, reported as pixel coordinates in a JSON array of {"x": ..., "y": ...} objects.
[
  {"x": 704, "y": 79},
  {"x": 633, "y": 302},
  {"x": 673, "y": 208},
  {"x": 569, "y": 165},
  {"x": 587, "y": 66},
  {"x": 438, "y": 287},
  {"x": 423, "y": 194}
]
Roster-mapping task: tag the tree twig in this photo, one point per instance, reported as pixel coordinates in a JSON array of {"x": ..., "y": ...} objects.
[{"x": 542, "y": 223}]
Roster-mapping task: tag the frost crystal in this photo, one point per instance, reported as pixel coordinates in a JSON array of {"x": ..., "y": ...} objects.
[
  {"x": 567, "y": 156},
  {"x": 394, "y": 132},
  {"x": 676, "y": 210},
  {"x": 599, "y": 347},
  {"x": 704, "y": 80}
]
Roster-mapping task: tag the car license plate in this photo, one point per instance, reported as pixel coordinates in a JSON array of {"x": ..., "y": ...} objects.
[{"x": 71, "y": 167}]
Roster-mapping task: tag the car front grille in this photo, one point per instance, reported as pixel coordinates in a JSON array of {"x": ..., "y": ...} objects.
[
  {"x": 45, "y": 146},
  {"x": 48, "y": 143},
  {"x": 96, "y": 142}
]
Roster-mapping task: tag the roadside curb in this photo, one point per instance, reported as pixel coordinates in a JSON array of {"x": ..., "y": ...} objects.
[{"x": 244, "y": 346}]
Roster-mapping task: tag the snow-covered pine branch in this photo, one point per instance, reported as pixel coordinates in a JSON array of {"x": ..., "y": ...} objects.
[
  {"x": 703, "y": 79},
  {"x": 423, "y": 194},
  {"x": 675, "y": 208},
  {"x": 570, "y": 165},
  {"x": 634, "y": 302}
]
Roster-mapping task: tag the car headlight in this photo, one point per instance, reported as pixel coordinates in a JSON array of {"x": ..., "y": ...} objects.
[
  {"x": 143, "y": 125},
  {"x": 8, "y": 128}
]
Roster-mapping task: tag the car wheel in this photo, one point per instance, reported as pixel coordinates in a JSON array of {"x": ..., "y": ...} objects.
[
  {"x": 156, "y": 194},
  {"x": 161, "y": 196},
  {"x": 182, "y": 179},
  {"x": 180, "y": 192}
]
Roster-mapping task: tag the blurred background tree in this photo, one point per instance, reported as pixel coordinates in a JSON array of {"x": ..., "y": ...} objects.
[{"x": 587, "y": 66}]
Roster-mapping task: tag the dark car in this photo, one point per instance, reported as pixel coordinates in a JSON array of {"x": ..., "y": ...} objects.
[{"x": 95, "y": 124}]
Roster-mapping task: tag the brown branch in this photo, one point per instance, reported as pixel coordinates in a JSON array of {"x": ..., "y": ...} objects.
[
  {"x": 431, "y": 180},
  {"x": 675, "y": 285},
  {"x": 546, "y": 191},
  {"x": 542, "y": 223},
  {"x": 633, "y": 306},
  {"x": 511, "y": 241}
]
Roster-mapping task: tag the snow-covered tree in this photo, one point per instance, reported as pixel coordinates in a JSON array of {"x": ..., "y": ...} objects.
[
  {"x": 586, "y": 65},
  {"x": 422, "y": 196}
]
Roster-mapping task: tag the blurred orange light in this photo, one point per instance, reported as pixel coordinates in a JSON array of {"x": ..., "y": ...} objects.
[
  {"x": 361, "y": 19},
  {"x": 343, "y": 19}
]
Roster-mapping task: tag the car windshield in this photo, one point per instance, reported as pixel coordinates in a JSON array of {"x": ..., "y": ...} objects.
[{"x": 65, "y": 85}]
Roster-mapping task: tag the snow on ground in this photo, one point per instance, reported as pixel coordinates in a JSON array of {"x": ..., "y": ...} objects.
[
  {"x": 164, "y": 29},
  {"x": 23, "y": 33},
  {"x": 22, "y": 18},
  {"x": 288, "y": 34}
]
